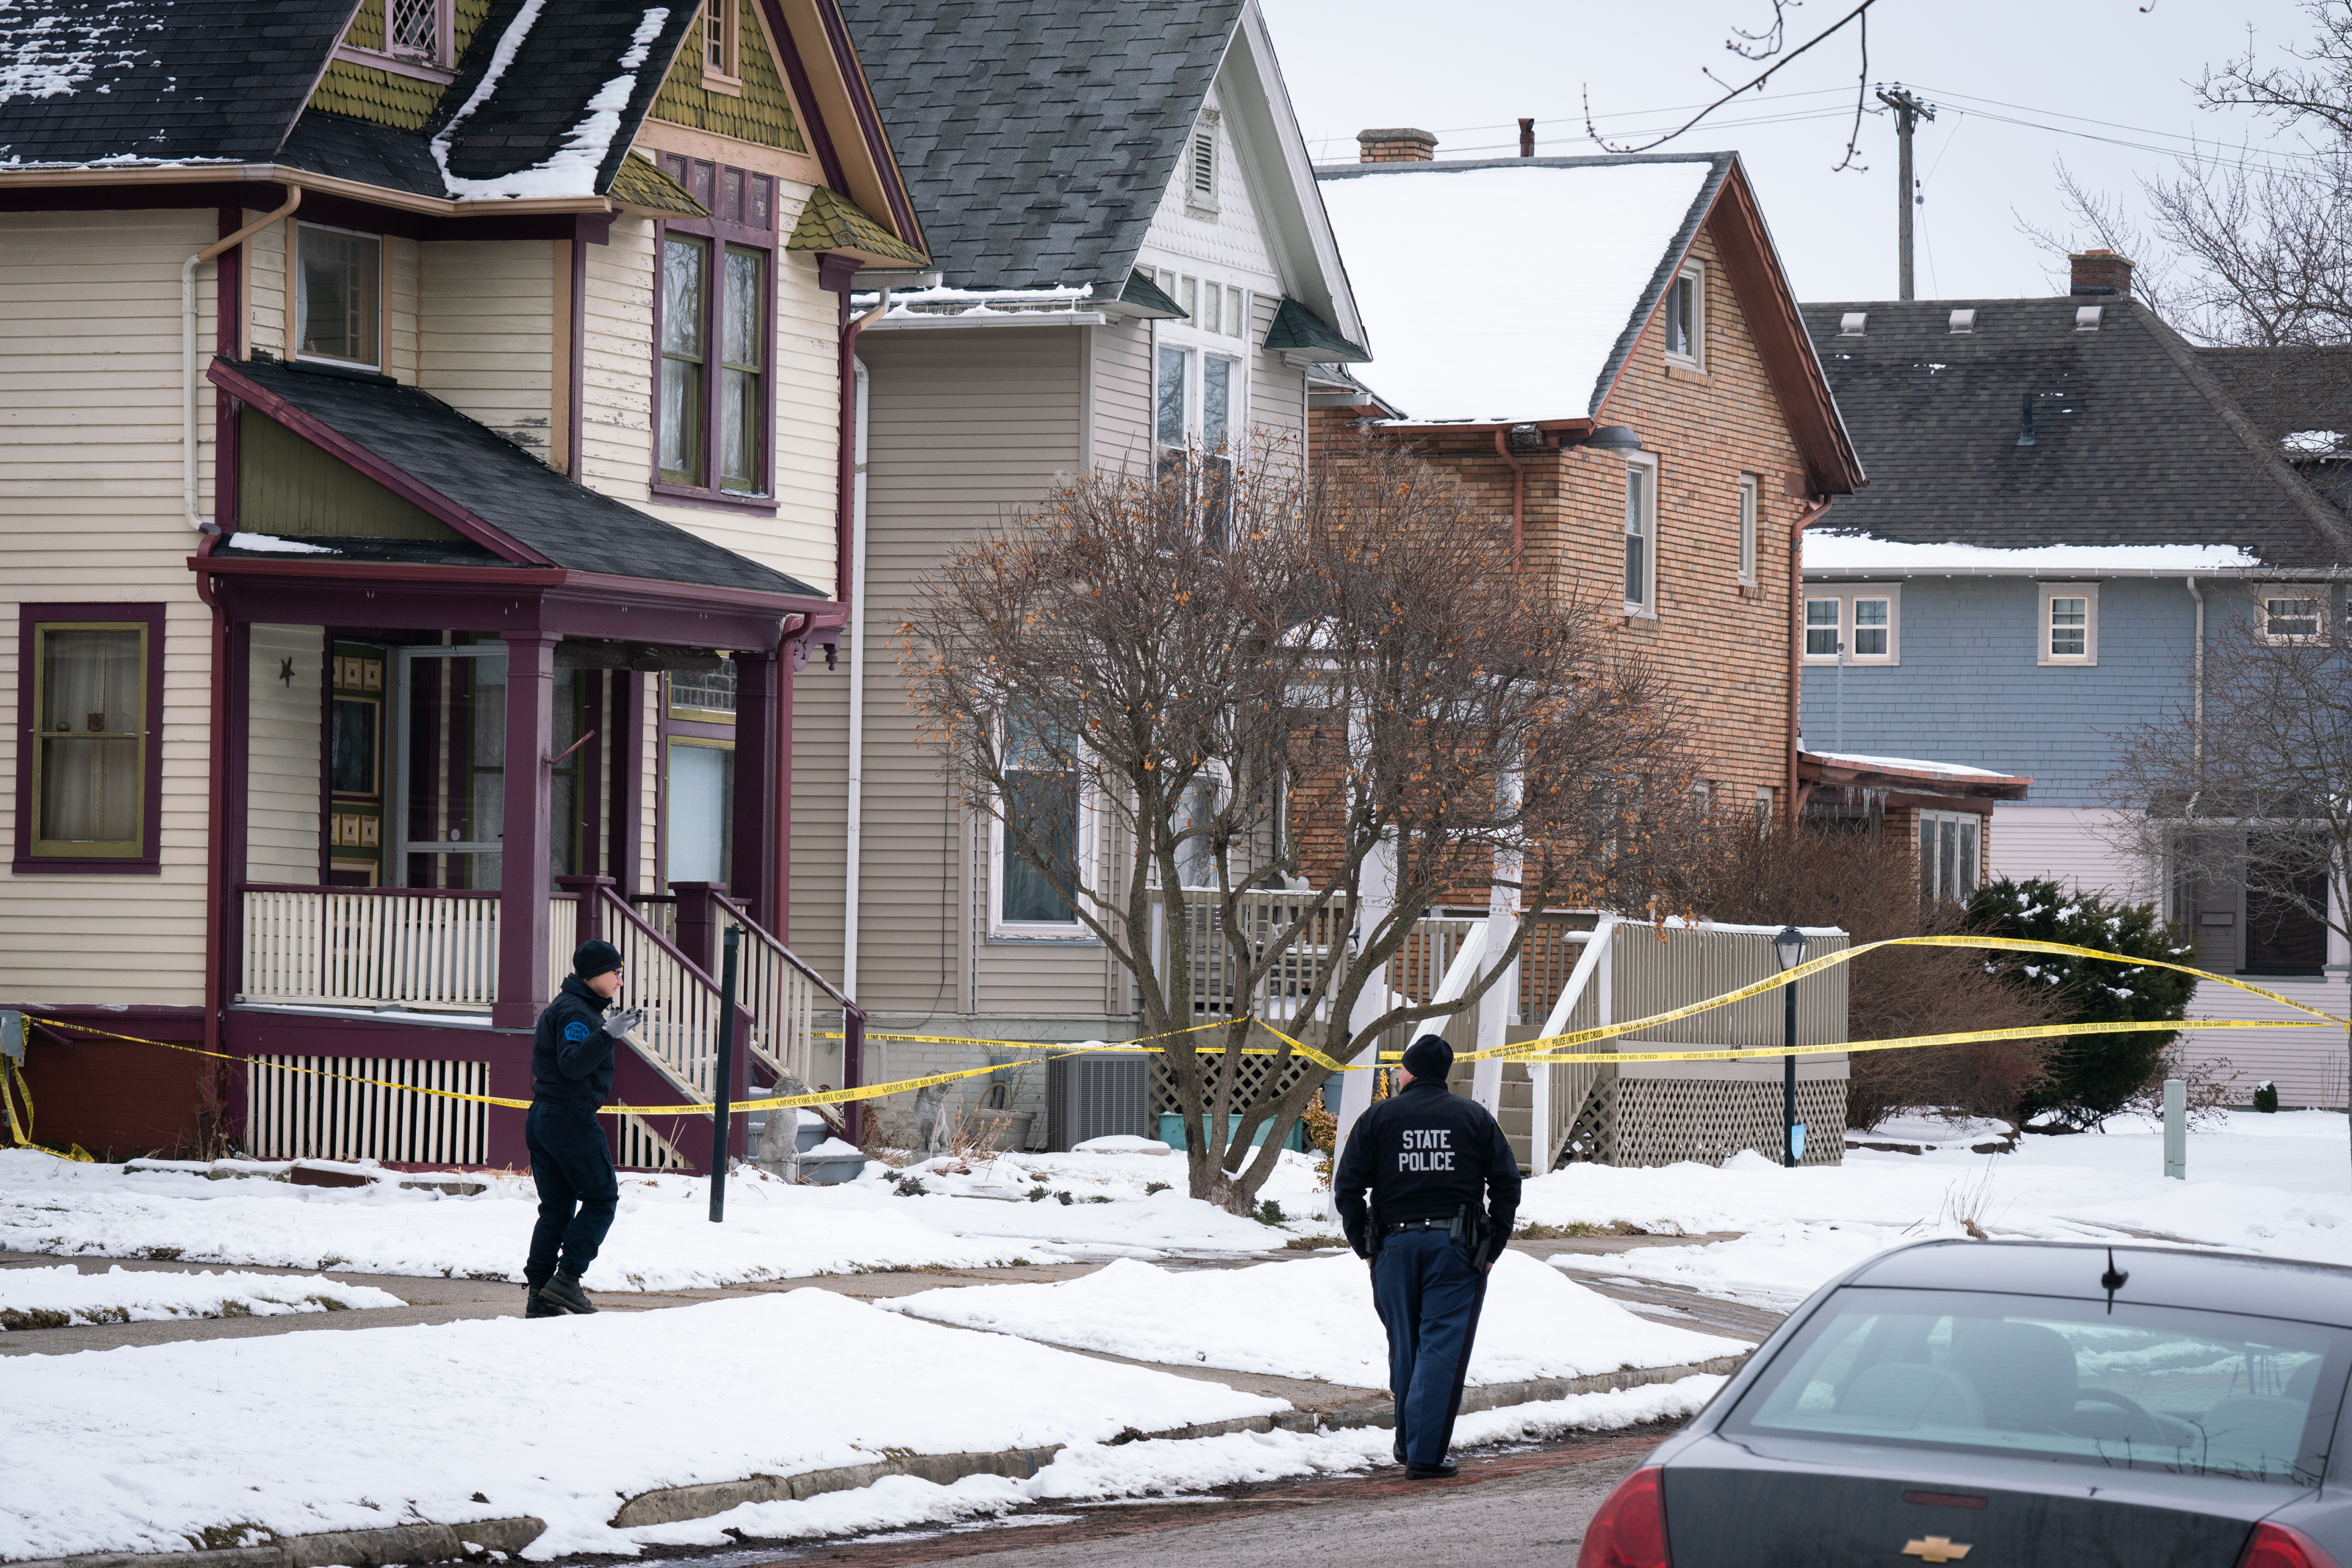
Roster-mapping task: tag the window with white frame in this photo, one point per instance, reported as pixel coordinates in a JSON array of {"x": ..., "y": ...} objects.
[
  {"x": 1949, "y": 845},
  {"x": 2296, "y": 613},
  {"x": 1747, "y": 529},
  {"x": 338, "y": 289},
  {"x": 2067, "y": 630},
  {"x": 1200, "y": 388},
  {"x": 1858, "y": 625},
  {"x": 408, "y": 37},
  {"x": 1044, "y": 803},
  {"x": 1642, "y": 535},
  {"x": 1687, "y": 318},
  {"x": 722, "y": 24},
  {"x": 1200, "y": 165}
]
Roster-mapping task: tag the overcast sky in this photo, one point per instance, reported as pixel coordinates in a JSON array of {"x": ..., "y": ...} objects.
[{"x": 1468, "y": 70}]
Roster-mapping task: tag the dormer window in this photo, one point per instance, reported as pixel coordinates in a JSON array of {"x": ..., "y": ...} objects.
[
  {"x": 1686, "y": 318},
  {"x": 722, "y": 42},
  {"x": 406, "y": 37},
  {"x": 413, "y": 28}
]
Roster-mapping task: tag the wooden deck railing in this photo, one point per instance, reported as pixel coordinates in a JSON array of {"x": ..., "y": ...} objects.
[
  {"x": 780, "y": 992},
  {"x": 421, "y": 947},
  {"x": 680, "y": 1034}
]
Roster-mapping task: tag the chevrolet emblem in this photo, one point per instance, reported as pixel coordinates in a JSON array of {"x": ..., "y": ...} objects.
[{"x": 1936, "y": 1549}]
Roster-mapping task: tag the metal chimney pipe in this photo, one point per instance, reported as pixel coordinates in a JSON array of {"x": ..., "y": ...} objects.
[{"x": 1527, "y": 138}]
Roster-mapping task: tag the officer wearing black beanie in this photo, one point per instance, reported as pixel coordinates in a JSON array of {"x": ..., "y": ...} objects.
[
  {"x": 1445, "y": 1188},
  {"x": 570, "y": 1073}
]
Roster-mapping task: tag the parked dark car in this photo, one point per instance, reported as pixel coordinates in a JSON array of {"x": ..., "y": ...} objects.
[{"x": 2003, "y": 1404}]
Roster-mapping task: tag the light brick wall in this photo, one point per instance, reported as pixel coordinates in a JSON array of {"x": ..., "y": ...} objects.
[{"x": 1723, "y": 648}]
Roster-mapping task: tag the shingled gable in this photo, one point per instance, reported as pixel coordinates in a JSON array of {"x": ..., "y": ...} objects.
[
  {"x": 498, "y": 495},
  {"x": 2133, "y": 443},
  {"x": 1621, "y": 228}
]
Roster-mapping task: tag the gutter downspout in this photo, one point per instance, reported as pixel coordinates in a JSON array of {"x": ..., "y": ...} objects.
[
  {"x": 216, "y": 801},
  {"x": 1518, "y": 497},
  {"x": 1811, "y": 514},
  {"x": 188, "y": 349},
  {"x": 2197, "y": 699},
  {"x": 854, "y": 825}
]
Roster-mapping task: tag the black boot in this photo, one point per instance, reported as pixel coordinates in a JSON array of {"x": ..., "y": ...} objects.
[
  {"x": 538, "y": 1306},
  {"x": 1443, "y": 1470},
  {"x": 563, "y": 1293}
]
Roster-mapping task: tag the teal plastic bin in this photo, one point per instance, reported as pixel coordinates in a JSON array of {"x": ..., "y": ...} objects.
[{"x": 1171, "y": 1131}]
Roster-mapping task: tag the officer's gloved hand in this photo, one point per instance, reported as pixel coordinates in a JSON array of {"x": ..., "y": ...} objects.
[{"x": 624, "y": 1021}]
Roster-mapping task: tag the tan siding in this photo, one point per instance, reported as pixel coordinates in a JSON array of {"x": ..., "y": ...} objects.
[
  {"x": 964, "y": 425},
  {"x": 402, "y": 280},
  {"x": 1122, "y": 397},
  {"x": 89, "y": 511},
  {"x": 265, "y": 273},
  {"x": 487, "y": 321},
  {"x": 282, "y": 778},
  {"x": 617, "y": 377}
]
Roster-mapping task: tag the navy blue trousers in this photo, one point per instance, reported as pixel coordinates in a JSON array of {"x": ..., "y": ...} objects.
[
  {"x": 1429, "y": 1294},
  {"x": 577, "y": 1189}
]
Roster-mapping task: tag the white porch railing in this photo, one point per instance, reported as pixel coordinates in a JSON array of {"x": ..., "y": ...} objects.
[
  {"x": 681, "y": 1034},
  {"x": 367, "y": 946},
  {"x": 1214, "y": 979},
  {"x": 562, "y": 937},
  {"x": 780, "y": 992}
]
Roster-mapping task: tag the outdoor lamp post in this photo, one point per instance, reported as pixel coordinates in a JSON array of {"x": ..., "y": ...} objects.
[{"x": 1791, "y": 945}]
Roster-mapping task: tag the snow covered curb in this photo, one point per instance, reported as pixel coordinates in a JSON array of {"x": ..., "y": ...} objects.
[{"x": 46, "y": 1298}]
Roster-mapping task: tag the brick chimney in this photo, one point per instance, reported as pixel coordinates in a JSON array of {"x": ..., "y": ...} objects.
[
  {"x": 1396, "y": 144},
  {"x": 2101, "y": 272}
]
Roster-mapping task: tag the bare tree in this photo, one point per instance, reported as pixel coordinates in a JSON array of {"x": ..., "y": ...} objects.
[
  {"x": 2252, "y": 783},
  {"x": 1336, "y": 691}
]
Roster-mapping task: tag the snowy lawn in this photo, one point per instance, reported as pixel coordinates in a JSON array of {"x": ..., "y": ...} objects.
[
  {"x": 2280, "y": 1184},
  {"x": 142, "y": 1448},
  {"x": 968, "y": 1214},
  {"x": 52, "y": 1297},
  {"x": 1092, "y": 1472},
  {"x": 1316, "y": 1320}
]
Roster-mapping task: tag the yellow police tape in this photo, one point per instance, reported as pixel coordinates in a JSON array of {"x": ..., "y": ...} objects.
[{"x": 1547, "y": 1049}]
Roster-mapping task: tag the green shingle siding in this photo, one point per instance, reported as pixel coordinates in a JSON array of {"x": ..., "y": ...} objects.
[
  {"x": 762, "y": 116},
  {"x": 287, "y": 487},
  {"x": 387, "y": 97}
]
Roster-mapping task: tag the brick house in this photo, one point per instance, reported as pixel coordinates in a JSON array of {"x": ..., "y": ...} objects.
[{"x": 1650, "y": 414}]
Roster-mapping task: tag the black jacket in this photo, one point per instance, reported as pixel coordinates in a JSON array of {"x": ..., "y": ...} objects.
[
  {"x": 1426, "y": 1153},
  {"x": 570, "y": 1054}
]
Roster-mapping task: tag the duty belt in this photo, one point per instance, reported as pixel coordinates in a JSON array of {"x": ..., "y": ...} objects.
[{"x": 1416, "y": 1225}]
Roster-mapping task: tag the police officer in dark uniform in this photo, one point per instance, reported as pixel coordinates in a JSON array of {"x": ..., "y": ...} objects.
[
  {"x": 570, "y": 1073},
  {"x": 1444, "y": 1188}
]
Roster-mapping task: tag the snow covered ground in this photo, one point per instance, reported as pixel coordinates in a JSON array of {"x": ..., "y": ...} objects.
[
  {"x": 1316, "y": 1320},
  {"x": 2280, "y": 1184},
  {"x": 137, "y": 1449},
  {"x": 965, "y": 1215},
  {"x": 51, "y": 1298},
  {"x": 1092, "y": 1471}
]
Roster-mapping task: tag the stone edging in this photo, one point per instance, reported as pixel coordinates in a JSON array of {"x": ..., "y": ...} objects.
[{"x": 420, "y": 1543}]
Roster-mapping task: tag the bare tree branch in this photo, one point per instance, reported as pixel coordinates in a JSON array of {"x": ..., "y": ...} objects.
[{"x": 1763, "y": 46}]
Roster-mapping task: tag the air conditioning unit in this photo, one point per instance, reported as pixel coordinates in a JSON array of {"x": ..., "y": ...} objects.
[{"x": 1096, "y": 1096}]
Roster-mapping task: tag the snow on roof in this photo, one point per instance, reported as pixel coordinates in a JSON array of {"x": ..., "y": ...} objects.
[
  {"x": 1591, "y": 237},
  {"x": 2312, "y": 442},
  {"x": 1859, "y": 552},
  {"x": 1903, "y": 765},
  {"x": 45, "y": 55},
  {"x": 571, "y": 169}
]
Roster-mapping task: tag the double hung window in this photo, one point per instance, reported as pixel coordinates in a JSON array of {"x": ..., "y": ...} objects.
[
  {"x": 2068, "y": 623},
  {"x": 87, "y": 778},
  {"x": 699, "y": 775},
  {"x": 338, "y": 289},
  {"x": 2293, "y": 615},
  {"x": 1042, "y": 816},
  {"x": 1200, "y": 393},
  {"x": 1641, "y": 538},
  {"x": 1686, "y": 314},
  {"x": 1854, "y": 625},
  {"x": 1948, "y": 847},
  {"x": 715, "y": 343}
]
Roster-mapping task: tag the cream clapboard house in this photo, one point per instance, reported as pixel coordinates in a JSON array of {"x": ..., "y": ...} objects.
[
  {"x": 1133, "y": 259},
  {"x": 424, "y": 484}
]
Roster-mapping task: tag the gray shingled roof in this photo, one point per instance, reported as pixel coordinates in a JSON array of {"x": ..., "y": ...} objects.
[
  {"x": 507, "y": 487},
  {"x": 85, "y": 80},
  {"x": 1037, "y": 136},
  {"x": 2135, "y": 442}
]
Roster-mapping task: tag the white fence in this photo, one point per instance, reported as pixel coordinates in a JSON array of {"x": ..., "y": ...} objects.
[
  {"x": 295, "y": 1110},
  {"x": 365, "y": 947},
  {"x": 777, "y": 991},
  {"x": 681, "y": 1034}
]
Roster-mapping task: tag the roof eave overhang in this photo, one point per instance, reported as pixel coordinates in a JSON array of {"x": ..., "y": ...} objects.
[
  {"x": 324, "y": 184},
  {"x": 1578, "y": 426},
  {"x": 2084, "y": 573},
  {"x": 1812, "y": 768}
]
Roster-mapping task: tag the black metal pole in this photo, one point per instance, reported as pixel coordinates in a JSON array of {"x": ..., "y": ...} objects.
[
  {"x": 721, "y": 1111},
  {"x": 1789, "y": 1078}
]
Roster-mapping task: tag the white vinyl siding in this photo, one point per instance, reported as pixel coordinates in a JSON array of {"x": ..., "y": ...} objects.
[
  {"x": 488, "y": 317},
  {"x": 282, "y": 784}
]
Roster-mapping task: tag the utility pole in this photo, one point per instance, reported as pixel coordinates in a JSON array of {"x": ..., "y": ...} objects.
[{"x": 1908, "y": 112}]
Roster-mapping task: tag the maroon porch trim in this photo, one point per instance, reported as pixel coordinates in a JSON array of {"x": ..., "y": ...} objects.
[
  {"x": 259, "y": 1031},
  {"x": 750, "y": 873},
  {"x": 628, "y": 780},
  {"x": 147, "y": 861},
  {"x": 527, "y": 831}
]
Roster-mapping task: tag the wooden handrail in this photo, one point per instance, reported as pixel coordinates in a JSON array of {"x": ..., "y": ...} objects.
[
  {"x": 740, "y": 913},
  {"x": 387, "y": 892}
]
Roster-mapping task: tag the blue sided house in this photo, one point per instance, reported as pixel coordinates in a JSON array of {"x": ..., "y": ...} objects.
[{"x": 2067, "y": 501}]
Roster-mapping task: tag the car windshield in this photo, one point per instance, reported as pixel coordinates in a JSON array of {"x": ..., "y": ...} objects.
[{"x": 2137, "y": 1386}]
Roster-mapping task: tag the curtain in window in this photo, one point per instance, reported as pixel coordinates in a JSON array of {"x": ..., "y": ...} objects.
[
  {"x": 701, "y": 812},
  {"x": 738, "y": 389},
  {"x": 683, "y": 265},
  {"x": 92, "y": 709}
]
